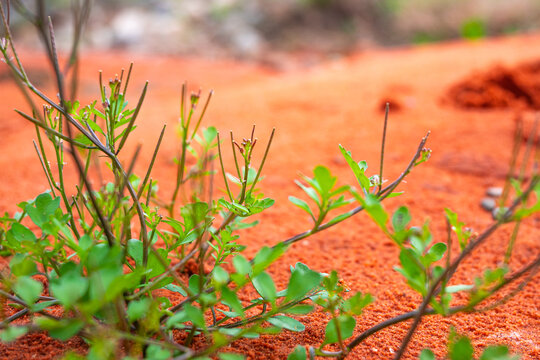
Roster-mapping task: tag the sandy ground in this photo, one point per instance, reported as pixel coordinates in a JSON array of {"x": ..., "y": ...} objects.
[{"x": 314, "y": 110}]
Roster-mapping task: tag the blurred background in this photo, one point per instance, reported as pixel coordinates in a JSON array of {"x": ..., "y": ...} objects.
[{"x": 252, "y": 29}]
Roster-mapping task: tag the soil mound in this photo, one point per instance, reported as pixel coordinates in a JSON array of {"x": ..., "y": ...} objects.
[{"x": 499, "y": 87}]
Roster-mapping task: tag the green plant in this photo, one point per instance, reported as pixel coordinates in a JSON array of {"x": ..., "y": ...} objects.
[{"x": 101, "y": 253}]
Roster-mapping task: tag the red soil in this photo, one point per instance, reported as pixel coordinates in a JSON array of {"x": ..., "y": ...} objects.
[
  {"x": 314, "y": 110},
  {"x": 500, "y": 87}
]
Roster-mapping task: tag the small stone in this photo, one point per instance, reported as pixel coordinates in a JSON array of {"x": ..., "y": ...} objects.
[
  {"x": 494, "y": 191},
  {"x": 498, "y": 212},
  {"x": 488, "y": 204}
]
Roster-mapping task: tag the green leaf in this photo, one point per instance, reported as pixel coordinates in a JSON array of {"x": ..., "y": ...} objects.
[
  {"x": 69, "y": 288},
  {"x": 21, "y": 233},
  {"x": 267, "y": 256},
  {"x": 411, "y": 270},
  {"x": 194, "y": 214},
  {"x": 265, "y": 286},
  {"x": 176, "y": 289},
  {"x": 497, "y": 352},
  {"x": 156, "y": 352},
  {"x": 195, "y": 315},
  {"x": 301, "y": 309},
  {"x": 311, "y": 192},
  {"x": 137, "y": 309},
  {"x": 21, "y": 265},
  {"x": 12, "y": 333},
  {"x": 357, "y": 168},
  {"x": 427, "y": 354},
  {"x": 299, "y": 353},
  {"x": 460, "y": 348},
  {"x": 194, "y": 284},
  {"x": 401, "y": 219},
  {"x": 242, "y": 266},
  {"x": 436, "y": 252},
  {"x": 219, "y": 275},
  {"x": 62, "y": 330},
  {"x": 135, "y": 250},
  {"x": 285, "y": 322},
  {"x": 231, "y": 356},
  {"x": 44, "y": 206},
  {"x": 374, "y": 209},
  {"x": 230, "y": 299},
  {"x": 356, "y": 304},
  {"x": 237, "y": 331},
  {"x": 28, "y": 289},
  {"x": 324, "y": 179},
  {"x": 301, "y": 282},
  {"x": 346, "y": 325},
  {"x": 457, "y": 288},
  {"x": 301, "y": 204}
]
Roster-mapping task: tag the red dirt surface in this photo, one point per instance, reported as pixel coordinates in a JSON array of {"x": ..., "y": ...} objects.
[
  {"x": 500, "y": 87},
  {"x": 314, "y": 110}
]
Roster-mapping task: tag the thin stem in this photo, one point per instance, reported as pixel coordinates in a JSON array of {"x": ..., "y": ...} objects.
[
  {"x": 263, "y": 160},
  {"x": 220, "y": 155},
  {"x": 133, "y": 117},
  {"x": 235, "y": 158},
  {"x": 383, "y": 143},
  {"x": 151, "y": 166}
]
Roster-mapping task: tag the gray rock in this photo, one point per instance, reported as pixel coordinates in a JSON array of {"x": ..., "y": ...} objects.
[
  {"x": 488, "y": 204},
  {"x": 494, "y": 191},
  {"x": 498, "y": 212}
]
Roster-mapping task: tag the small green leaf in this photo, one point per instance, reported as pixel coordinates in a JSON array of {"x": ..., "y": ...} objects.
[
  {"x": 44, "y": 206},
  {"x": 457, "y": 288},
  {"x": 401, "y": 219},
  {"x": 324, "y": 179},
  {"x": 194, "y": 284},
  {"x": 69, "y": 288},
  {"x": 299, "y": 353},
  {"x": 357, "y": 168},
  {"x": 63, "y": 329},
  {"x": 374, "y": 209},
  {"x": 302, "y": 281},
  {"x": 156, "y": 352},
  {"x": 219, "y": 275},
  {"x": 230, "y": 299},
  {"x": 267, "y": 256},
  {"x": 176, "y": 289},
  {"x": 311, "y": 192},
  {"x": 460, "y": 348},
  {"x": 28, "y": 289},
  {"x": 346, "y": 325},
  {"x": 265, "y": 286},
  {"x": 195, "y": 315},
  {"x": 301, "y": 309},
  {"x": 242, "y": 266},
  {"x": 285, "y": 322},
  {"x": 427, "y": 354},
  {"x": 231, "y": 356},
  {"x": 21, "y": 265},
  {"x": 436, "y": 252},
  {"x": 356, "y": 304},
  {"x": 301, "y": 204},
  {"x": 12, "y": 333},
  {"x": 497, "y": 352},
  {"x": 137, "y": 309},
  {"x": 21, "y": 233}
]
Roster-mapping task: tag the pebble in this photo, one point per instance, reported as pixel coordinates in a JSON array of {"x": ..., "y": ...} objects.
[
  {"x": 497, "y": 212},
  {"x": 488, "y": 204},
  {"x": 494, "y": 191}
]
